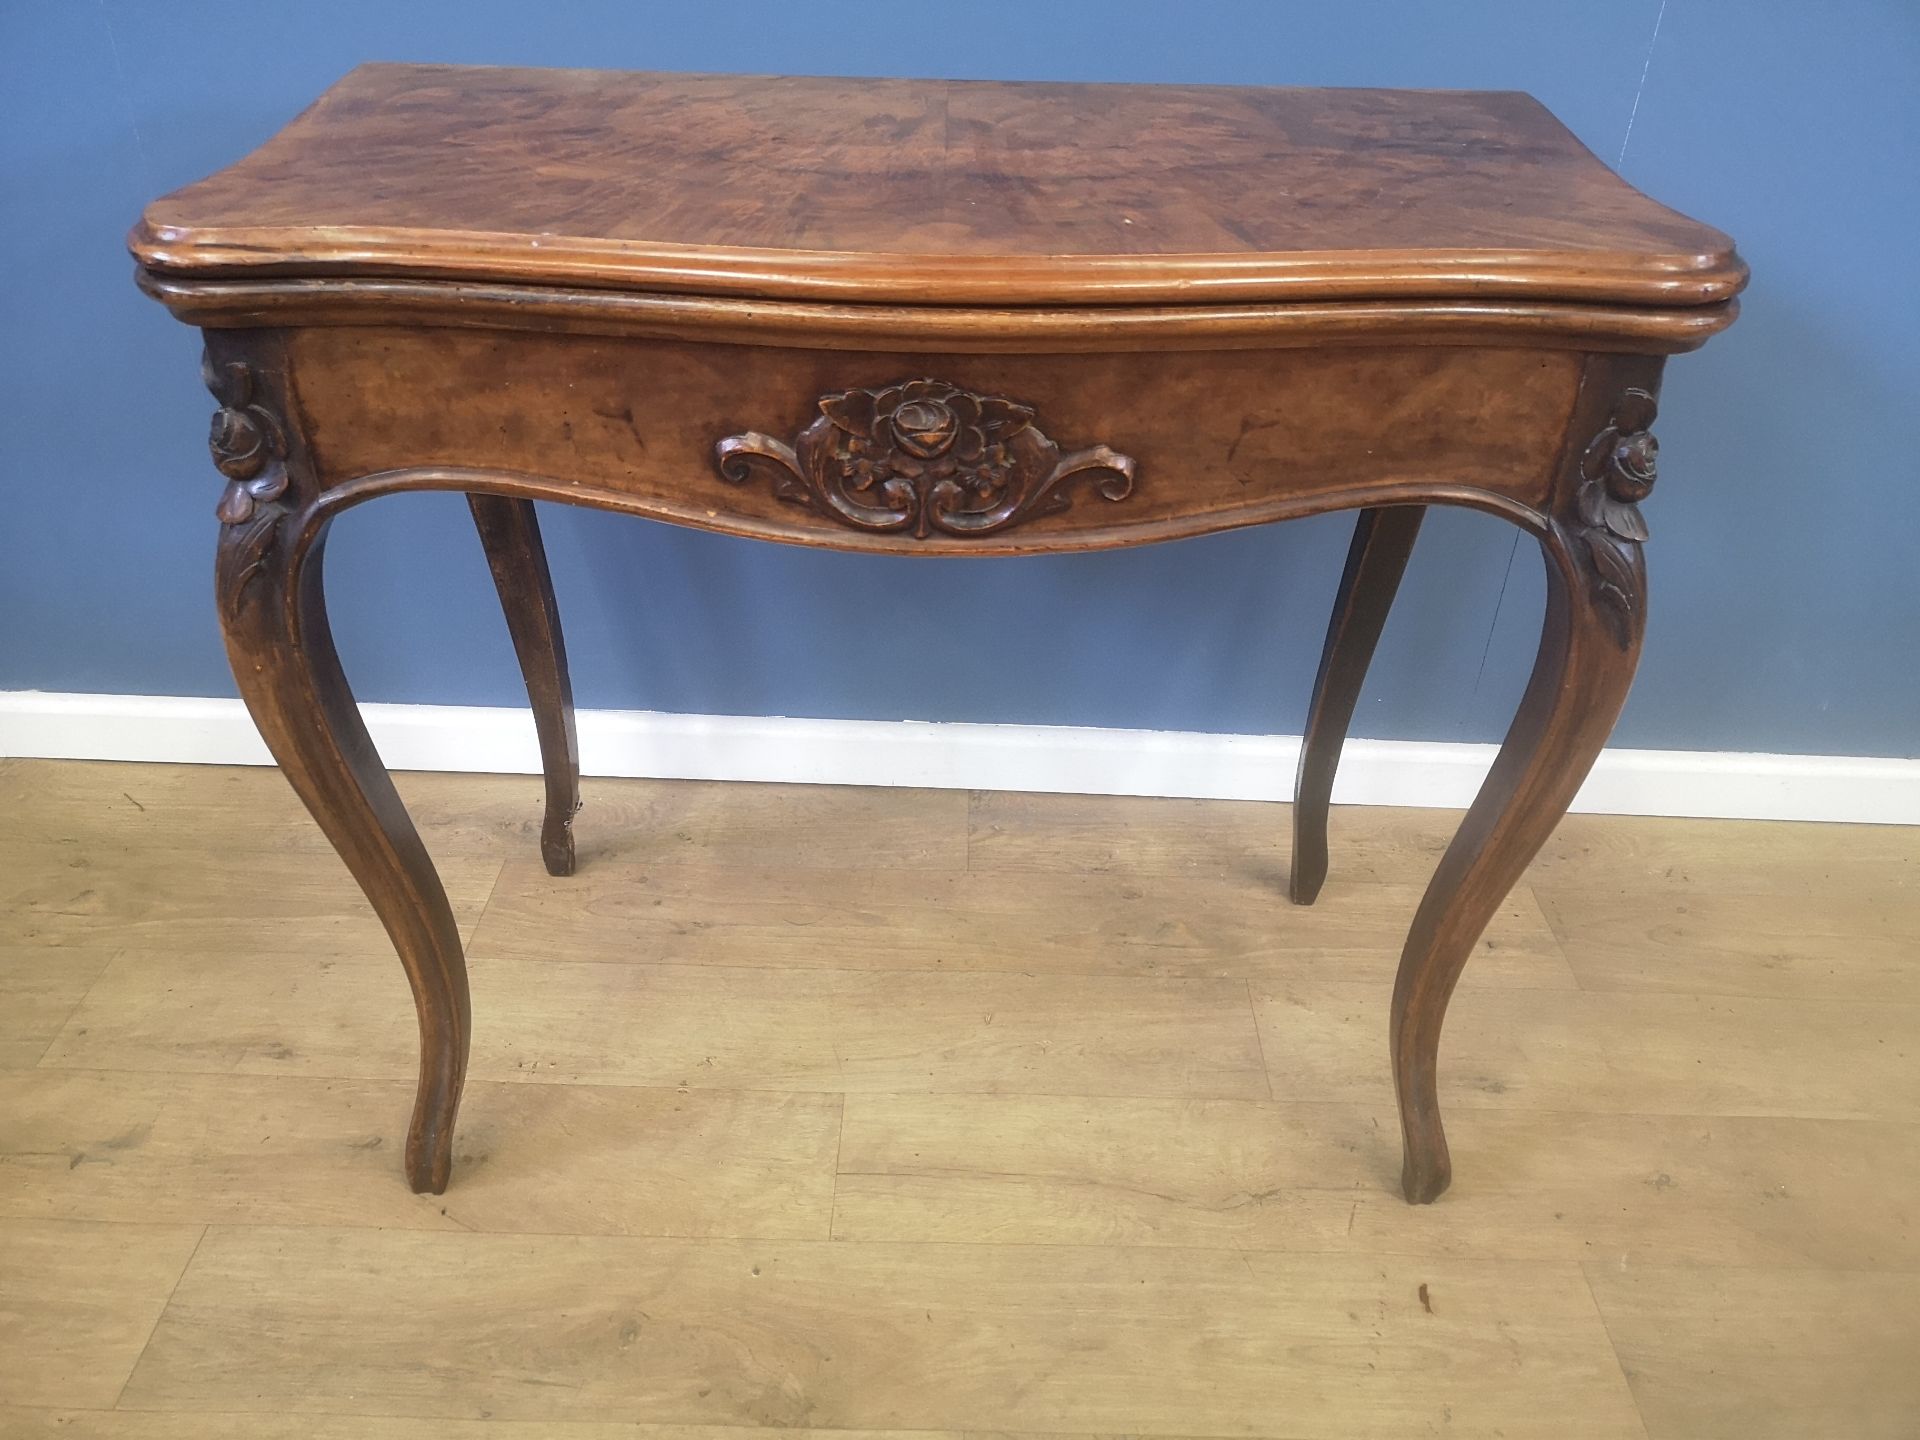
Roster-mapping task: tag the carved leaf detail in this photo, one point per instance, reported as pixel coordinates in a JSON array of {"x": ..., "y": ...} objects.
[
  {"x": 1614, "y": 570},
  {"x": 852, "y": 411},
  {"x": 1626, "y": 522},
  {"x": 922, "y": 456},
  {"x": 244, "y": 554},
  {"x": 1618, "y": 470},
  {"x": 1636, "y": 411}
]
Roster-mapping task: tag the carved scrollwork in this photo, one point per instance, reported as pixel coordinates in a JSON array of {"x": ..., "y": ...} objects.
[
  {"x": 248, "y": 442},
  {"x": 923, "y": 456},
  {"x": 1617, "y": 471}
]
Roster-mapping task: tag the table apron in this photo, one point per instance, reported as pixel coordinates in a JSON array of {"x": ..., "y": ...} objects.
[{"x": 1215, "y": 439}]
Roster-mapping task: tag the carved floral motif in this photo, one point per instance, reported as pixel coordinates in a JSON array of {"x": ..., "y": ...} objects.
[
  {"x": 923, "y": 456},
  {"x": 1616, "y": 473},
  {"x": 248, "y": 444}
]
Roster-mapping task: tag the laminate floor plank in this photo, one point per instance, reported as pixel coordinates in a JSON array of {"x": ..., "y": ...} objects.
[
  {"x": 1764, "y": 1354},
  {"x": 1260, "y": 1175},
  {"x": 678, "y": 1026},
  {"x": 834, "y": 1335},
  {"x": 40, "y": 987},
  {"x": 1015, "y": 830},
  {"x": 291, "y": 1150},
  {"x": 211, "y": 898},
  {"x": 1729, "y": 857},
  {"x": 1242, "y": 840},
  {"x": 1607, "y": 1052},
  {"x": 127, "y": 805},
  {"x": 1196, "y": 925},
  {"x": 18, "y": 1423},
  {"x": 1835, "y": 945},
  {"x": 78, "y": 1302},
  {"x": 251, "y": 808}
]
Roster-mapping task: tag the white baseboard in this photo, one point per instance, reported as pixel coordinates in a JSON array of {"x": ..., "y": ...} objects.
[{"x": 980, "y": 757}]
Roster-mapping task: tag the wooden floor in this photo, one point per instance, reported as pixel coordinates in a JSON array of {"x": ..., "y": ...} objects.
[{"x": 915, "y": 1111}]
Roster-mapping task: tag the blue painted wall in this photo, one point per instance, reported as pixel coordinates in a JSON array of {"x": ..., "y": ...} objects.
[{"x": 1787, "y": 611}]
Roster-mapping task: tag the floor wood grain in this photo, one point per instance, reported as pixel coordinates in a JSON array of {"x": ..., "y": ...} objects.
[
  {"x": 1840, "y": 943},
  {"x": 42, "y": 1423},
  {"x": 292, "y": 1150},
  {"x": 494, "y": 816},
  {"x": 40, "y": 987},
  {"x": 1191, "y": 925},
  {"x": 990, "y": 1337},
  {"x": 881, "y": 1114},
  {"x": 1608, "y": 1051},
  {"x": 1256, "y": 1175},
  {"x": 700, "y": 1027},
  {"x": 1766, "y": 1355},
  {"x": 213, "y": 898},
  {"x": 78, "y": 1303}
]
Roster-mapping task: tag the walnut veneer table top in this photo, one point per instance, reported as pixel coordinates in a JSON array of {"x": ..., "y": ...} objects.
[{"x": 935, "y": 191}]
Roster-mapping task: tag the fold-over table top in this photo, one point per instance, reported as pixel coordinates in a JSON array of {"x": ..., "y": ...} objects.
[{"x": 936, "y": 192}]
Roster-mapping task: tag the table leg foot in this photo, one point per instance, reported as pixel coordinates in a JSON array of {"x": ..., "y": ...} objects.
[
  {"x": 1588, "y": 649},
  {"x": 1382, "y": 540},
  {"x": 1426, "y": 1171},
  {"x": 429, "y": 1158},
  {"x": 510, "y": 534},
  {"x": 273, "y": 613},
  {"x": 556, "y": 845}
]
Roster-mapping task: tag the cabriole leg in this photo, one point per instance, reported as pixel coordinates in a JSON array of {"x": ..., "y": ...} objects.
[
  {"x": 1589, "y": 646},
  {"x": 510, "y": 534},
  {"x": 1588, "y": 651},
  {"x": 281, "y": 647},
  {"x": 1382, "y": 540},
  {"x": 268, "y": 580}
]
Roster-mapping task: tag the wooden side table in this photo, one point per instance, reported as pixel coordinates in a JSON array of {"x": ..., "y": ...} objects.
[{"x": 931, "y": 318}]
